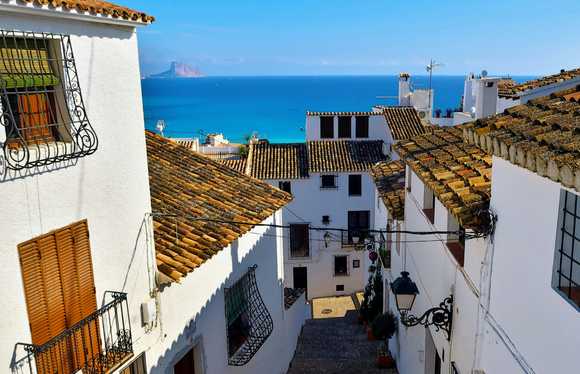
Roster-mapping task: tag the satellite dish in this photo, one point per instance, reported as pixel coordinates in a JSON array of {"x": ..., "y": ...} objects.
[{"x": 484, "y": 73}]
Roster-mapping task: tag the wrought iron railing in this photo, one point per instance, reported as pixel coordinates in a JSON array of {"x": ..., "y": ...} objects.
[
  {"x": 353, "y": 237},
  {"x": 97, "y": 344}
]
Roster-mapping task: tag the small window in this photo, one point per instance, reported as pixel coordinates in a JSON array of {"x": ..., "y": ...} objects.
[
  {"x": 355, "y": 185},
  {"x": 340, "y": 287},
  {"x": 566, "y": 275},
  {"x": 355, "y": 264},
  {"x": 340, "y": 266},
  {"x": 299, "y": 240},
  {"x": 344, "y": 126},
  {"x": 138, "y": 366},
  {"x": 285, "y": 186},
  {"x": 326, "y": 220},
  {"x": 409, "y": 179},
  {"x": 328, "y": 181},
  {"x": 358, "y": 225},
  {"x": 362, "y": 126},
  {"x": 429, "y": 204},
  {"x": 326, "y": 127},
  {"x": 488, "y": 84}
]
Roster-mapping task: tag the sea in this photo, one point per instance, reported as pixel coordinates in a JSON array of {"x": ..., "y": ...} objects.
[{"x": 274, "y": 108}]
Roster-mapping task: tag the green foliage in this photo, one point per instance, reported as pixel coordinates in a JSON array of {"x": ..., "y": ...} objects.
[{"x": 384, "y": 325}]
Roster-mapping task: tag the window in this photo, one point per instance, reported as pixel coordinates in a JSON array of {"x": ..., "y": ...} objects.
[
  {"x": 41, "y": 106},
  {"x": 138, "y": 366},
  {"x": 409, "y": 178},
  {"x": 344, "y": 126},
  {"x": 566, "y": 277},
  {"x": 488, "y": 84},
  {"x": 340, "y": 287},
  {"x": 358, "y": 224},
  {"x": 326, "y": 127},
  {"x": 248, "y": 321},
  {"x": 362, "y": 126},
  {"x": 285, "y": 186},
  {"x": 340, "y": 266},
  {"x": 326, "y": 220},
  {"x": 59, "y": 290},
  {"x": 328, "y": 181},
  {"x": 355, "y": 185},
  {"x": 299, "y": 240},
  {"x": 429, "y": 204},
  {"x": 355, "y": 264}
]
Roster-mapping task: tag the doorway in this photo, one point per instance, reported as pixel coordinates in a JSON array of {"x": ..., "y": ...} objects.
[
  {"x": 301, "y": 278},
  {"x": 186, "y": 365}
]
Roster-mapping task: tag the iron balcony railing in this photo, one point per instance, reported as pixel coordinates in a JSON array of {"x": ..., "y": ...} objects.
[
  {"x": 349, "y": 236},
  {"x": 97, "y": 344}
]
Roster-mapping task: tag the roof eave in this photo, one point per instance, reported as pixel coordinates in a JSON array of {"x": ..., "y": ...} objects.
[{"x": 71, "y": 15}]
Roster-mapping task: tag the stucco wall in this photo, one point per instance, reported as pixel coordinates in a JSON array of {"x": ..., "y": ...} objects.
[
  {"x": 193, "y": 312},
  {"x": 378, "y": 129},
  {"x": 540, "y": 323},
  {"x": 109, "y": 188}
]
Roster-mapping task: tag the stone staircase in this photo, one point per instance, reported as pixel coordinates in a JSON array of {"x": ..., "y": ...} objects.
[{"x": 335, "y": 345}]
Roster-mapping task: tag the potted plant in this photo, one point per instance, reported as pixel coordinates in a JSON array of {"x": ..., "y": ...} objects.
[{"x": 384, "y": 327}]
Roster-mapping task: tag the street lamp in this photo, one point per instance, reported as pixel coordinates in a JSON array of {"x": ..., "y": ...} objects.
[
  {"x": 327, "y": 238},
  {"x": 405, "y": 291}
]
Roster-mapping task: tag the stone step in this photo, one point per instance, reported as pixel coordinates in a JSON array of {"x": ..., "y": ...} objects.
[{"x": 327, "y": 366}]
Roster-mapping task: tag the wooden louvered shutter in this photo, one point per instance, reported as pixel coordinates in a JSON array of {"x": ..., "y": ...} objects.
[
  {"x": 44, "y": 300},
  {"x": 60, "y": 291},
  {"x": 35, "y": 117}
]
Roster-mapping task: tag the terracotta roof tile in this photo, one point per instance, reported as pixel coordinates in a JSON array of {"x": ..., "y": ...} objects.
[
  {"x": 238, "y": 165},
  {"x": 278, "y": 161},
  {"x": 513, "y": 90},
  {"x": 389, "y": 178},
  {"x": 185, "y": 184},
  {"x": 404, "y": 122},
  {"x": 99, "y": 7},
  {"x": 458, "y": 173},
  {"x": 344, "y": 155},
  {"x": 542, "y": 135}
]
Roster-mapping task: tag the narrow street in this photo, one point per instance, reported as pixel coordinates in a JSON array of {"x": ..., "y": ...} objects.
[{"x": 334, "y": 342}]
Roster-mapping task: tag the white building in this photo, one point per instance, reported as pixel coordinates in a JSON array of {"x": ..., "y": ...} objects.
[
  {"x": 222, "y": 302},
  {"x": 333, "y": 192},
  {"x": 215, "y": 146},
  {"x": 514, "y": 303},
  {"x": 73, "y": 165}
]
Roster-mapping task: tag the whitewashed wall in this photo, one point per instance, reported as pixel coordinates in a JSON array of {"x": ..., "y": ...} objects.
[
  {"x": 310, "y": 203},
  {"x": 109, "y": 188},
  {"x": 193, "y": 312},
  {"x": 378, "y": 129},
  {"x": 541, "y": 324}
]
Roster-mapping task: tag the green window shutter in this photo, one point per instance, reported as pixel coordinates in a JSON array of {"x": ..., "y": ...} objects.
[{"x": 25, "y": 68}]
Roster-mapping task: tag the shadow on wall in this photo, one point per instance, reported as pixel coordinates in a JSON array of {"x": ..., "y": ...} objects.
[{"x": 201, "y": 328}]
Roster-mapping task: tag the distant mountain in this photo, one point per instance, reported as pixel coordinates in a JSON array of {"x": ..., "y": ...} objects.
[{"x": 178, "y": 70}]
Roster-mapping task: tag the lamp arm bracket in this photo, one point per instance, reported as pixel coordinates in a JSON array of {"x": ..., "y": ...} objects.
[{"x": 441, "y": 317}]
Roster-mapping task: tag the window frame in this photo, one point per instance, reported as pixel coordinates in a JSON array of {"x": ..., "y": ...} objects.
[
  {"x": 334, "y": 185},
  {"x": 362, "y": 124},
  {"x": 326, "y": 127},
  {"x": 346, "y": 272},
  {"x": 285, "y": 186},
  {"x": 292, "y": 251},
  {"x": 355, "y": 185},
  {"x": 344, "y": 127}
]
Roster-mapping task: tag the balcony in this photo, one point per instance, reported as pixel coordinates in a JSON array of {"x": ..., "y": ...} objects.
[
  {"x": 348, "y": 237},
  {"x": 98, "y": 344}
]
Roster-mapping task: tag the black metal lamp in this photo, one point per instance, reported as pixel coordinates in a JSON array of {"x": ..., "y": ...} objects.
[{"x": 405, "y": 291}]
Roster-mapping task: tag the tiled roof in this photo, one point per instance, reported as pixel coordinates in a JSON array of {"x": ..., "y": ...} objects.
[
  {"x": 403, "y": 121},
  {"x": 542, "y": 135},
  {"x": 185, "y": 184},
  {"x": 186, "y": 142},
  {"x": 514, "y": 90},
  {"x": 389, "y": 177},
  {"x": 316, "y": 114},
  {"x": 458, "y": 173},
  {"x": 344, "y": 155},
  {"x": 96, "y": 7},
  {"x": 278, "y": 161},
  {"x": 238, "y": 165}
]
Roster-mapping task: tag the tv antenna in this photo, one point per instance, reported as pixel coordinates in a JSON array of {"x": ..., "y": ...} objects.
[
  {"x": 432, "y": 65},
  {"x": 161, "y": 126}
]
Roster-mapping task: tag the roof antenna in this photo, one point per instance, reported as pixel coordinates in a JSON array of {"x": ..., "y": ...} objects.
[{"x": 432, "y": 65}]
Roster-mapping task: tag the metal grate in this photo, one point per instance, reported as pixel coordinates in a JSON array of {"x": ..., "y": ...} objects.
[
  {"x": 568, "y": 256},
  {"x": 249, "y": 323},
  {"x": 41, "y": 106}
]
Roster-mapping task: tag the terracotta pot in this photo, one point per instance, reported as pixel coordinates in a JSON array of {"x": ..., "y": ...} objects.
[
  {"x": 370, "y": 335},
  {"x": 385, "y": 362}
]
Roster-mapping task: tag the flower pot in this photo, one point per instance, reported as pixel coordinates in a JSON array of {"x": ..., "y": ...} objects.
[
  {"x": 370, "y": 335},
  {"x": 385, "y": 362}
]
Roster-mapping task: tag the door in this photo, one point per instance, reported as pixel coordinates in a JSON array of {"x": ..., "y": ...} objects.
[
  {"x": 186, "y": 365},
  {"x": 300, "y": 278},
  {"x": 358, "y": 224}
]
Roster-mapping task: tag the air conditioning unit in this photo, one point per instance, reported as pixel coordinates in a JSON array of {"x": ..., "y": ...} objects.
[{"x": 148, "y": 312}]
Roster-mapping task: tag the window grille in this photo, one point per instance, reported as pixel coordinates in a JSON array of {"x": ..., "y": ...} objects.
[
  {"x": 41, "y": 106},
  {"x": 567, "y": 262},
  {"x": 249, "y": 323}
]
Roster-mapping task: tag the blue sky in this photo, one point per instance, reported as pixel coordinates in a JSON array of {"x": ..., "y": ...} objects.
[{"x": 336, "y": 37}]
